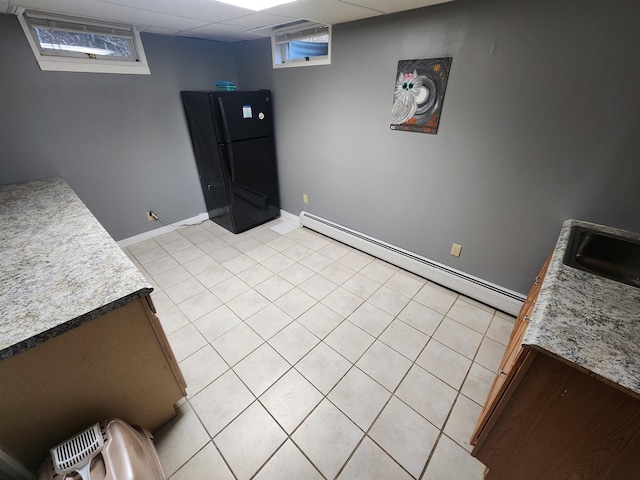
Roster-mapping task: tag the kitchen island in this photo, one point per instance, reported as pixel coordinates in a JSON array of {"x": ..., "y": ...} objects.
[
  {"x": 566, "y": 400},
  {"x": 79, "y": 338}
]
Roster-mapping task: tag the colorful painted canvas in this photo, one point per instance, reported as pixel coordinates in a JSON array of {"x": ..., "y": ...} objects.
[{"x": 419, "y": 94}]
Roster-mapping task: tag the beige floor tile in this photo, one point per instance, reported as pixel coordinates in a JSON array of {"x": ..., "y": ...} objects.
[
  {"x": 462, "y": 421},
  {"x": 342, "y": 302},
  {"x": 404, "y": 339},
  {"x": 316, "y": 262},
  {"x": 436, "y": 298},
  {"x": 290, "y": 400},
  {"x": 405, "y": 435},
  {"x": 189, "y": 254},
  {"x": 320, "y": 320},
  {"x": 470, "y": 315},
  {"x": 213, "y": 405},
  {"x": 318, "y": 287},
  {"x": 148, "y": 255},
  {"x": 288, "y": 464},
  {"x": 211, "y": 245},
  {"x": 207, "y": 463},
  {"x": 281, "y": 243},
  {"x": 349, "y": 341},
  {"x": 490, "y": 354},
  {"x": 297, "y": 252},
  {"x": 500, "y": 329},
  {"x": 299, "y": 234},
  {"x": 214, "y": 276},
  {"x": 201, "y": 368},
  {"x": 293, "y": 342},
  {"x": 355, "y": 260},
  {"x": 143, "y": 246},
  {"x": 458, "y": 337},
  {"x": 359, "y": 398},
  {"x": 177, "y": 245},
  {"x": 361, "y": 286},
  {"x": 229, "y": 289},
  {"x": 445, "y": 363},
  {"x": 237, "y": 343},
  {"x": 247, "y": 304},
  {"x": 186, "y": 341},
  {"x": 261, "y": 368},
  {"x": 274, "y": 287},
  {"x": 223, "y": 254},
  {"x": 249, "y": 441},
  {"x": 337, "y": 273},
  {"x": 269, "y": 321},
  {"x": 451, "y": 461},
  {"x": 217, "y": 323},
  {"x": 384, "y": 364},
  {"x": 199, "y": 305},
  {"x": 323, "y": 367},
  {"x": 334, "y": 250},
  {"x": 296, "y": 274},
  {"x": 255, "y": 275},
  {"x": 388, "y": 300},
  {"x": 316, "y": 241},
  {"x": 371, "y": 319},
  {"x": 160, "y": 266},
  {"x": 184, "y": 290},
  {"x": 427, "y": 395},
  {"x": 180, "y": 439},
  {"x": 198, "y": 236},
  {"x": 161, "y": 301},
  {"x": 478, "y": 383},
  {"x": 261, "y": 253},
  {"x": 247, "y": 243},
  {"x": 371, "y": 462},
  {"x": 379, "y": 271},
  {"x": 171, "y": 277},
  {"x": 239, "y": 264},
  {"x": 327, "y": 437},
  {"x": 172, "y": 319},
  {"x": 168, "y": 237},
  {"x": 295, "y": 302},
  {"x": 407, "y": 285},
  {"x": 200, "y": 264}
]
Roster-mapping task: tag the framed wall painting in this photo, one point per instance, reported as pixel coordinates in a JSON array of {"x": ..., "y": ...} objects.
[{"x": 419, "y": 94}]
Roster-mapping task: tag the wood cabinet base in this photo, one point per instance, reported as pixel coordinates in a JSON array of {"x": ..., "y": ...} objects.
[
  {"x": 560, "y": 423},
  {"x": 118, "y": 365}
]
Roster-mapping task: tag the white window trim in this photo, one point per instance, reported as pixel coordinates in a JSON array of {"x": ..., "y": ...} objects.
[
  {"x": 300, "y": 62},
  {"x": 87, "y": 65}
]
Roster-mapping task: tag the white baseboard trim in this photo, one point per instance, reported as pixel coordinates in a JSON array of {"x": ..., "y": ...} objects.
[
  {"x": 494, "y": 295},
  {"x": 162, "y": 230},
  {"x": 289, "y": 217}
]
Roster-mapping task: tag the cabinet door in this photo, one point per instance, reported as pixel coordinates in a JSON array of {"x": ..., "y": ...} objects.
[{"x": 514, "y": 356}]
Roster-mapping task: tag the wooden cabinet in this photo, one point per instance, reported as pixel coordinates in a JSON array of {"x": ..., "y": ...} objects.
[
  {"x": 545, "y": 419},
  {"x": 117, "y": 365}
]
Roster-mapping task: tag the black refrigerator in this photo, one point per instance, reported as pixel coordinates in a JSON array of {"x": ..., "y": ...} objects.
[{"x": 233, "y": 144}]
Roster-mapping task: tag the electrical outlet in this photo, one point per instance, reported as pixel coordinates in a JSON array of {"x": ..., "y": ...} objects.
[
  {"x": 152, "y": 216},
  {"x": 305, "y": 198},
  {"x": 456, "y": 249}
]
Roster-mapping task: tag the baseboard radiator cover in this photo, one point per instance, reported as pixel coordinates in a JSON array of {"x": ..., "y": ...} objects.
[{"x": 493, "y": 295}]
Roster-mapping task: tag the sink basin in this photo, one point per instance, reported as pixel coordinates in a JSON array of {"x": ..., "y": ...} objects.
[{"x": 603, "y": 254}]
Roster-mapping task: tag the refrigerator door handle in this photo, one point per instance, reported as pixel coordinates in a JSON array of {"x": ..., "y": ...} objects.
[{"x": 224, "y": 121}]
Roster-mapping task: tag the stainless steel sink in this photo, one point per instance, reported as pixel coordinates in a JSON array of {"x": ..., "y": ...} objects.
[{"x": 603, "y": 254}]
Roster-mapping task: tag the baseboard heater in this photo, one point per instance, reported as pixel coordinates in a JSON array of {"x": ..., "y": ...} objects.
[{"x": 493, "y": 295}]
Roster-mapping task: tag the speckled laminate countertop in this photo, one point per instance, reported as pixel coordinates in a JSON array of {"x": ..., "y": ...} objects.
[
  {"x": 588, "y": 321},
  {"x": 58, "y": 266}
]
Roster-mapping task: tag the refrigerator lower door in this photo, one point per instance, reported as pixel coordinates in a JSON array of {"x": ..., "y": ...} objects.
[{"x": 253, "y": 186}]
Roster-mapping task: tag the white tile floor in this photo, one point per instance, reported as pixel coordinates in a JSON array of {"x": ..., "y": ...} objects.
[{"x": 307, "y": 359}]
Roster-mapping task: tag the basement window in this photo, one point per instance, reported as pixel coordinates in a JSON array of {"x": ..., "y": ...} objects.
[
  {"x": 301, "y": 44},
  {"x": 78, "y": 45}
]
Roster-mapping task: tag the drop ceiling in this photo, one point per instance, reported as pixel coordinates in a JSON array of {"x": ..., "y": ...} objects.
[{"x": 214, "y": 20}]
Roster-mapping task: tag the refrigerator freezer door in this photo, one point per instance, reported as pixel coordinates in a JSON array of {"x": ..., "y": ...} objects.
[
  {"x": 209, "y": 161},
  {"x": 243, "y": 115},
  {"x": 255, "y": 197}
]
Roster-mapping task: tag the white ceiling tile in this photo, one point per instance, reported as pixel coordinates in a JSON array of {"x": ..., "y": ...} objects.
[
  {"x": 206, "y": 10},
  {"x": 4, "y": 6},
  {"x": 387, "y": 6},
  {"x": 324, "y": 11},
  {"x": 158, "y": 30},
  {"x": 260, "y": 19}
]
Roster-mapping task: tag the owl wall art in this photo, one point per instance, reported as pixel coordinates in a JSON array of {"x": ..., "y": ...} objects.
[{"x": 419, "y": 93}]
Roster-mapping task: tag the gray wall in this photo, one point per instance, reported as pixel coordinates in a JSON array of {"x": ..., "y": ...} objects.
[
  {"x": 120, "y": 141},
  {"x": 540, "y": 124}
]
